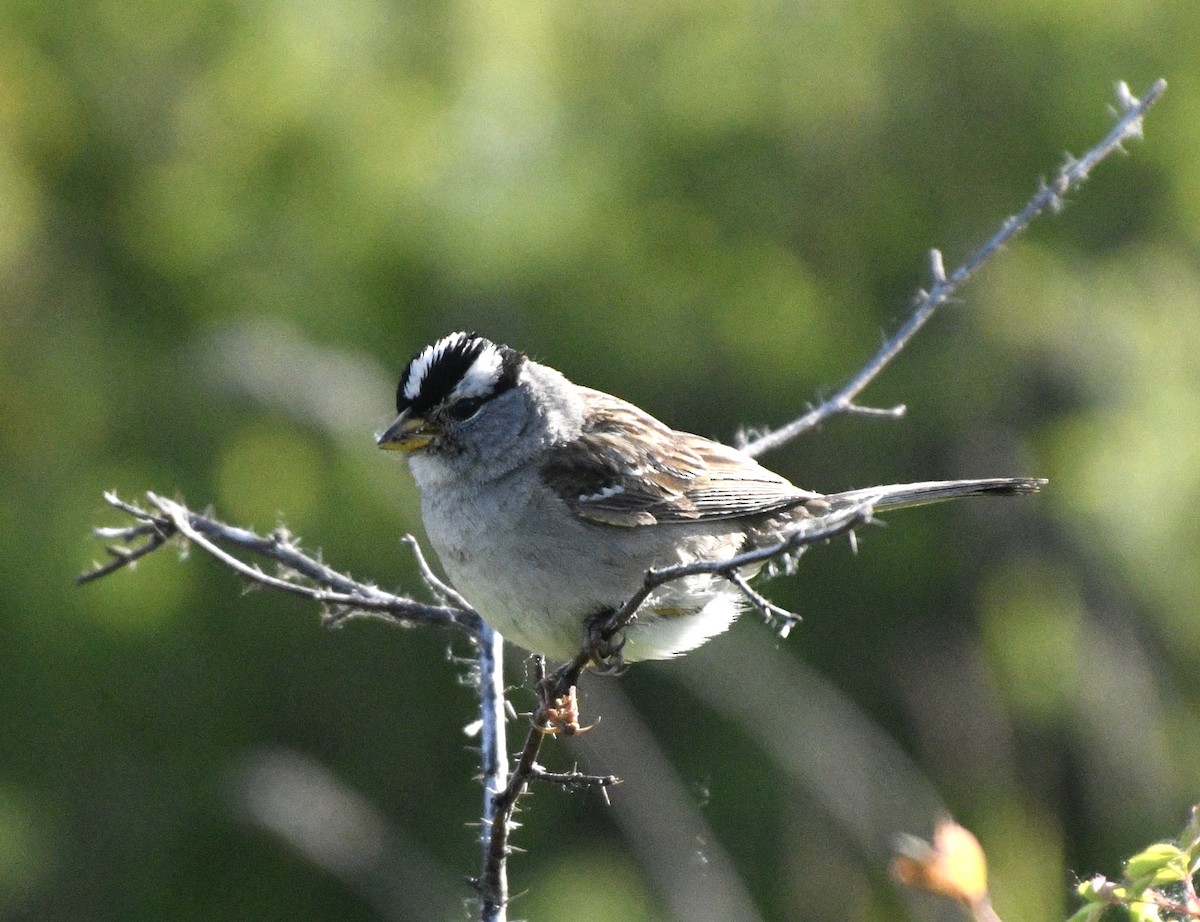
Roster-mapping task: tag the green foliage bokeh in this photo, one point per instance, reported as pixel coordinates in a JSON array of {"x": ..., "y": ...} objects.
[{"x": 224, "y": 226}]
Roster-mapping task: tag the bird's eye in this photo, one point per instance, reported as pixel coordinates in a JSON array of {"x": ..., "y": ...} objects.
[{"x": 464, "y": 409}]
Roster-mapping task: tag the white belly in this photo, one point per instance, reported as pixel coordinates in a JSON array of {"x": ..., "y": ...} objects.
[{"x": 538, "y": 585}]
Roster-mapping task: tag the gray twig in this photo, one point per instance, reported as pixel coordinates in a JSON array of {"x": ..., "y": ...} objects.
[
  {"x": 782, "y": 619},
  {"x": 1050, "y": 196},
  {"x": 155, "y": 530},
  {"x": 574, "y": 780},
  {"x": 306, "y": 576},
  {"x": 441, "y": 590},
  {"x": 494, "y": 742}
]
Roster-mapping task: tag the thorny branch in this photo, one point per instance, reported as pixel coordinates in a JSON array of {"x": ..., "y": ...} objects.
[
  {"x": 1050, "y": 196},
  {"x": 343, "y": 597}
]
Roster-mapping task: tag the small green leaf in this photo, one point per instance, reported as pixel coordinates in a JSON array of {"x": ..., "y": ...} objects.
[
  {"x": 1089, "y": 913},
  {"x": 1191, "y": 838},
  {"x": 1161, "y": 863},
  {"x": 1144, "y": 912},
  {"x": 1191, "y": 832}
]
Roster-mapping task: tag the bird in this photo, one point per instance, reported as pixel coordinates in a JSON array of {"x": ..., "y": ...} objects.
[{"x": 547, "y": 502}]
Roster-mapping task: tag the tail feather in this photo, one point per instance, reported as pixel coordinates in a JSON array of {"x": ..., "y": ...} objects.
[{"x": 903, "y": 495}]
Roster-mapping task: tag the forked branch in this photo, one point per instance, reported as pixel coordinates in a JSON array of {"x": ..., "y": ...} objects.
[{"x": 342, "y": 596}]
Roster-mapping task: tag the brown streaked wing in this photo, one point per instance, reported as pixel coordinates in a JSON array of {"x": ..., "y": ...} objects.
[{"x": 610, "y": 477}]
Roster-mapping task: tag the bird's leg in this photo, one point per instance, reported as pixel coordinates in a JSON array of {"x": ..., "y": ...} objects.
[
  {"x": 605, "y": 646},
  {"x": 558, "y": 700}
]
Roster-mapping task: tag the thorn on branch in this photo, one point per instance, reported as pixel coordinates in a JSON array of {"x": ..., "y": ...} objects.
[
  {"x": 1130, "y": 103},
  {"x": 937, "y": 268},
  {"x": 1048, "y": 197},
  {"x": 896, "y": 412},
  {"x": 573, "y": 780},
  {"x": 1125, "y": 97},
  {"x": 339, "y": 595},
  {"x": 156, "y": 531},
  {"x": 1072, "y": 170},
  {"x": 779, "y": 618}
]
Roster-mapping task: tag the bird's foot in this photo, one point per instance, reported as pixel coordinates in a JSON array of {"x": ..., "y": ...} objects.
[
  {"x": 559, "y": 714},
  {"x": 605, "y": 649}
]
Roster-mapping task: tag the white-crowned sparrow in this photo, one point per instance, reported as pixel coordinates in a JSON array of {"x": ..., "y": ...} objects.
[{"x": 547, "y": 502}]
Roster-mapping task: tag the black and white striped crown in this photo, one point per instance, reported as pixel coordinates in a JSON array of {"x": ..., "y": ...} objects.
[{"x": 458, "y": 366}]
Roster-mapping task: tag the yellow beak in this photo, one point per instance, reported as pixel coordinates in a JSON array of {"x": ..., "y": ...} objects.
[{"x": 407, "y": 433}]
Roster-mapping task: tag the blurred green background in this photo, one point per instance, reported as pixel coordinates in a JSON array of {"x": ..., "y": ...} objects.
[{"x": 225, "y": 225}]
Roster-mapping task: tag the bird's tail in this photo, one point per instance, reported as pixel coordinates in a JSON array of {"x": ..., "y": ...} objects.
[{"x": 901, "y": 495}]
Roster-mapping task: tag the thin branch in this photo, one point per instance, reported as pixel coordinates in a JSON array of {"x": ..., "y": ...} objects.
[
  {"x": 156, "y": 531},
  {"x": 312, "y": 579},
  {"x": 574, "y": 780},
  {"x": 442, "y": 590},
  {"x": 839, "y": 523},
  {"x": 493, "y": 883},
  {"x": 1050, "y": 196},
  {"x": 308, "y": 577},
  {"x": 782, "y": 619},
  {"x": 824, "y": 529}
]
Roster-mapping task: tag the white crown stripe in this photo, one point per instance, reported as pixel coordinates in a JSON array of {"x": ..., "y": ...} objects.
[
  {"x": 429, "y": 357},
  {"x": 481, "y": 378}
]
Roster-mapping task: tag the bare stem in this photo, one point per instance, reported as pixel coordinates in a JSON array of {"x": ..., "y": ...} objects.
[
  {"x": 1050, "y": 196},
  {"x": 304, "y": 575},
  {"x": 493, "y": 882}
]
